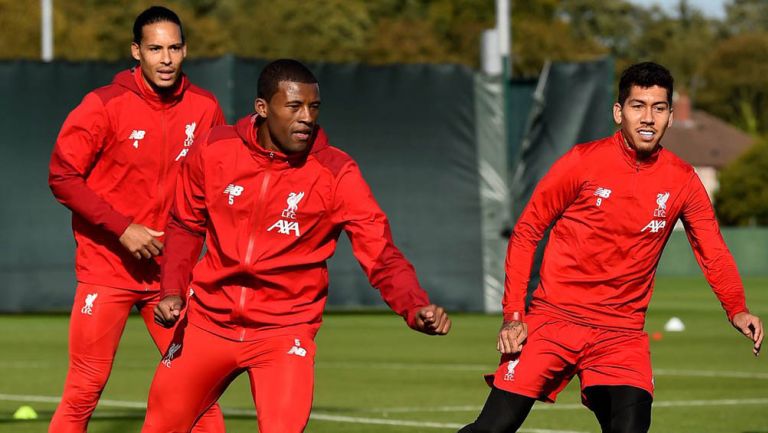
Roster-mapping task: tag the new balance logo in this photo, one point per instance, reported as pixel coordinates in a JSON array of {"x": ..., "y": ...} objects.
[
  {"x": 286, "y": 227},
  {"x": 88, "y": 307},
  {"x": 136, "y": 135},
  {"x": 510, "y": 375},
  {"x": 190, "y": 131},
  {"x": 601, "y": 193},
  {"x": 297, "y": 349},
  {"x": 171, "y": 353},
  {"x": 654, "y": 226},
  {"x": 233, "y": 191}
]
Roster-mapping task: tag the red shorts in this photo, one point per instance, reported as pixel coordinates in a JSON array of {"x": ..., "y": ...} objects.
[
  {"x": 199, "y": 366},
  {"x": 556, "y": 350}
]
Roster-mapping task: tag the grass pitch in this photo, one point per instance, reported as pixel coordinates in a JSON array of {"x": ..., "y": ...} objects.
[{"x": 374, "y": 375}]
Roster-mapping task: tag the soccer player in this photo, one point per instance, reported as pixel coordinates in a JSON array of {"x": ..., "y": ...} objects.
[
  {"x": 269, "y": 196},
  {"x": 115, "y": 165},
  {"x": 613, "y": 203}
]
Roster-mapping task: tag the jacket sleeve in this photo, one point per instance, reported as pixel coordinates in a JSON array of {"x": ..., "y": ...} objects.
[
  {"x": 77, "y": 147},
  {"x": 710, "y": 249},
  {"x": 185, "y": 233},
  {"x": 367, "y": 227},
  {"x": 556, "y": 190}
]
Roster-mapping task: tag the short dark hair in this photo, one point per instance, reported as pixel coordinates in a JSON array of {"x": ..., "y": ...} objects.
[
  {"x": 282, "y": 70},
  {"x": 152, "y": 15},
  {"x": 646, "y": 74}
]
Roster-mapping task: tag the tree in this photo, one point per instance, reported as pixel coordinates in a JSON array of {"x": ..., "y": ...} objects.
[
  {"x": 735, "y": 86},
  {"x": 101, "y": 30},
  {"x": 746, "y": 16},
  {"x": 743, "y": 197},
  {"x": 20, "y": 37},
  {"x": 678, "y": 42},
  {"x": 542, "y": 31}
]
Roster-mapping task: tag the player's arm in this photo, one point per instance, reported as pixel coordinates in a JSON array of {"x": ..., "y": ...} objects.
[
  {"x": 184, "y": 238},
  {"x": 80, "y": 140},
  {"x": 556, "y": 190},
  {"x": 716, "y": 261},
  {"x": 387, "y": 269}
]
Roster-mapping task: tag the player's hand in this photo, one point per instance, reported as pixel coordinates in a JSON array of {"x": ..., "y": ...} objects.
[
  {"x": 142, "y": 241},
  {"x": 751, "y": 326},
  {"x": 168, "y": 310},
  {"x": 511, "y": 337},
  {"x": 432, "y": 320}
]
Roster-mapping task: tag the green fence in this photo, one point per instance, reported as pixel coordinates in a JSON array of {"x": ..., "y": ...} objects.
[
  {"x": 749, "y": 247},
  {"x": 410, "y": 127},
  {"x": 429, "y": 138}
]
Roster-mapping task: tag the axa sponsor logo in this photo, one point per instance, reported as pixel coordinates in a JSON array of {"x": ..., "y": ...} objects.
[
  {"x": 510, "y": 374},
  {"x": 233, "y": 191},
  {"x": 654, "y": 226},
  {"x": 601, "y": 194},
  {"x": 175, "y": 347},
  {"x": 284, "y": 226},
  {"x": 297, "y": 349},
  {"x": 189, "y": 129},
  {"x": 137, "y": 135},
  {"x": 89, "y": 300}
]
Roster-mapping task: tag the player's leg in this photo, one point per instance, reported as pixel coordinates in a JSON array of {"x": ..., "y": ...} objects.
[
  {"x": 504, "y": 412},
  {"x": 281, "y": 370},
  {"x": 212, "y": 420},
  {"x": 620, "y": 408},
  {"x": 617, "y": 380},
  {"x": 540, "y": 371},
  {"x": 97, "y": 321},
  {"x": 191, "y": 377}
]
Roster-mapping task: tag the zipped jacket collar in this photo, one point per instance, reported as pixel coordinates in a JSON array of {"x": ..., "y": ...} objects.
[
  {"x": 133, "y": 80},
  {"x": 630, "y": 154},
  {"x": 247, "y": 127}
]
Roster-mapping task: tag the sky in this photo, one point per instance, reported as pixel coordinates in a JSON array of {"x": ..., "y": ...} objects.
[{"x": 711, "y": 8}]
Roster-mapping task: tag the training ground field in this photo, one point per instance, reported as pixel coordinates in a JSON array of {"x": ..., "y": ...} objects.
[{"x": 374, "y": 375}]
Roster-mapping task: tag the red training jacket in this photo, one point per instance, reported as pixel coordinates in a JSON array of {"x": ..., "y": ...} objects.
[
  {"x": 115, "y": 162},
  {"x": 613, "y": 216},
  {"x": 270, "y": 222}
]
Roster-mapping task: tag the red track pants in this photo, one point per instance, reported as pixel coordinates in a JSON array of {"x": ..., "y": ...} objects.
[
  {"x": 98, "y": 318},
  {"x": 200, "y": 365}
]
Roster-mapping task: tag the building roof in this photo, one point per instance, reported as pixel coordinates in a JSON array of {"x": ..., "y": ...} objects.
[{"x": 705, "y": 141}]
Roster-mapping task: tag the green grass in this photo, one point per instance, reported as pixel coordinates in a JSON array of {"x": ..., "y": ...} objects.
[{"x": 370, "y": 366}]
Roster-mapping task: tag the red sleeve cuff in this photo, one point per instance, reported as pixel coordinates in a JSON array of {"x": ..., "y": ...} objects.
[
  {"x": 169, "y": 292},
  {"x": 411, "y": 314},
  {"x": 514, "y": 316},
  {"x": 117, "y": 223},
  {"x": 740, "y": 310}
]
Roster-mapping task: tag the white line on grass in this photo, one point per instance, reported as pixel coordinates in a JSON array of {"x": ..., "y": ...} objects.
[
  {"x": 573, "y": 406},
  {"x": 479, "y": 368},
  {"x": 405, "y": 366},
  {"x": 314, "y": 416},
  {"x": 490, "y": 368}
]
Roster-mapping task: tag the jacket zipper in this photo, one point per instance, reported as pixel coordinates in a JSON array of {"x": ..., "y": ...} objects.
[
  {"x": 252, "y": 236},
  {"x": 164, "y": 168},
  {"x": 635, "y": 179}
]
